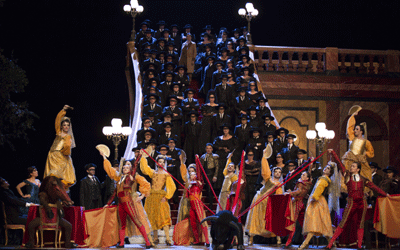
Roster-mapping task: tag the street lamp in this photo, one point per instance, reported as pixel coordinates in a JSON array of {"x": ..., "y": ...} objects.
[
  {"x": 116, "y": 132},
  {"x": 248, "y": 13},
  {"x": 134, "y": 9},
  {"x": 321, "y": 137}
]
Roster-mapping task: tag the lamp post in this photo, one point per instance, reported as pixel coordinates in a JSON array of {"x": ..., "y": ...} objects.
[
  {"x": 116, "y": 133},
  {"x": 321, "y": 137},
  {"x": 248, "y": 13},
  {"x": 134, "y": 9}
]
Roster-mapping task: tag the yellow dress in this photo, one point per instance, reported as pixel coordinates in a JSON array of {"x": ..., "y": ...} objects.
[
  {"x": 162, "y": 185},
  {"x": 184, "y": 204},
  {"x": 226, "y": 187},
  {"x": 317, "y": 219},
  {"x": 59, "y": 162},
  {"x": 255, "y": 222},
  {"x": 359, "y": 150}
]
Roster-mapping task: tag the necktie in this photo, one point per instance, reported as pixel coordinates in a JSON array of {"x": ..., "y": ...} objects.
[
  {"x": 354, "y": 177},
  {"x": 152, "y": 106},
  {"x": 168, "y": 134},
  {"x": 221, "y": 116},
  {"x": 242, "y": 98}
]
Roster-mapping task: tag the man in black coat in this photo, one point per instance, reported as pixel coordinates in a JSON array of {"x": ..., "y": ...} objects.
[
  {"x": 176, "y": 112},
  {"x": 221, "y": 118},
  {"x": 165, "y": 86},
  {"x": 301, "y": 153},
  {"x": 167, "y": 134},
  {"x": 192, "y": 131},
  {"x": 206, "y": 77},
  {"x": 90, "y": 189},
  {"x": 189, "y": 104},
  {"x": 153, "y": 100},
  {"x": 241, "y": 103},
  {"x": 224, "y": 92},
  {"x": 148, "y": 136},
  {"x": 269, "y": 139},
  {"x": 242, "y": 132},
  {"x": 174, "y": 153},
  {"x": 289, "y": 152},
  {"x": 216, "y": 76},
  {"x": 182, "y": 77},
  {"x": 376, "y": 178},
  {"x": 146, "y": 127},
  {"x": 267, "y": 126},
  {"x": 177, "y": 37},
  {"x": 254, "y": 119},
  {"x": 147, "y": 39},
  {"x": 281, "y": 140},
  {"x": 290, "y": 185},
  {"x": 256, "y": 142},
  {"x": 12, "y": 204},
  {"x": 262, "y": 108}
]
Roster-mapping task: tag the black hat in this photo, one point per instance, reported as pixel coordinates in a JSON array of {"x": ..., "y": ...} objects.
[
  {"x": 240, "y": 89},
  {"x": 223, "y": 49},
  {"x": 164, "y": 124},
  {"x": 245, "y": 48},
  {"x": 193, "y": 112},
  {"x": 151, "y": 113},
  {"x": 151, "y": 70},
  {"x": 144, "y": 118},
  {"x": 222, "y": 105},
  {"x": 225, "y": 125},
  {"x": 170, "y": 43},
  {"x": 374, "y": 165},
  {"x": 291, "y": 161},
  {"x": 162, "y": 146},
  {"x": 90, "y": 165},
  {"x": 161, "y": 22},
  {"x": 270, "y": 133},
  {"x": 180, "y": 67},
  {"x": 390, "y": 168},
  {"x": 152, "y": 131},
  {"x": 189, "y": 34},
  {"x": 302, "y": 151},
  {"x": 174, "y": 25},
  {"x": 144, "y": 23},
  {"x": 211, "y": 57},
  {"x": 241, "y": 59},
  {"x": 172, "y": 64},
  {"x": 176, "y": 84},
  {"x": 189, "y": 90},
  {"x": 255, "y": 129},
  {"x": 135, "y": 148},
  {"x": 152, "y": 141},
  {"x": 170, "y": 55},
  {"x": 171, "y": 139},
  {"x": 166, "y": 30},
  {"x": 172, "y": 97},
  {"x": 244, "y": 28},
  {"x": 223, "y": 76},
  {"x": 245, "y": 68},
  {"x": 168, "y": 73},
  {"x": 188, "y": 26},
  {"x": 241, "y": 116},
  {"x": 152, "y": 88},
  {"x": 220, "y": 63},
  {"x": 148, "y": 31},
  {"x": 167, "y": 113},
  {"x": 161, "y": 39},
  {"x": 161, "y": 52},
  {"x": 208, "y": 27},
  {"x": 291, "y": 136},
  {"x": 278, "y": 131},
  {"x": 150, "y": 80},
  {"x": 236, "y": 30},
  {"x": 152, "y": 95},
  {"x": 262, "y": 98},
  {"x": 269, "y": 116},
  {"x": 252, "y": 107},
  {"x": 241, "y": 39}
]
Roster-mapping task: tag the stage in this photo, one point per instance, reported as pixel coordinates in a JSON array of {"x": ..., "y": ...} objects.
[{"x": 163, "y": 246}]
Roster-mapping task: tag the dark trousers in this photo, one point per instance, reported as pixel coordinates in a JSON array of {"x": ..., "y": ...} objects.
[{"x": 210, "y": 195}]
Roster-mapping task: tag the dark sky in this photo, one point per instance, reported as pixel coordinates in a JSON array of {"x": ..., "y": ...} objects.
[{"x": 74, "y": 52}]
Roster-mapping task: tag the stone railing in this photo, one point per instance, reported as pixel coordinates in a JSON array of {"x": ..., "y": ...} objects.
[{"x": 345, "y": 61}]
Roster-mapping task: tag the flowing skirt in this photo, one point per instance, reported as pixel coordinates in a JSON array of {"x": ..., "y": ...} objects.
[
  {"x": 60, "y": 165},
  {"x": 131, "y": 229},
  {"x": 317, "y": 218},
  {"x": 158, "y": 212}
]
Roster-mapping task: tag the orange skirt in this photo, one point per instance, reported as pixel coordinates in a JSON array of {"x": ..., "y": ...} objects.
[{"x": 317, "y": 218}]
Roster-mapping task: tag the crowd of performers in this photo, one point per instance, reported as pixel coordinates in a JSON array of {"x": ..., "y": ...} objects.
[{"x": 172, "y": 136}]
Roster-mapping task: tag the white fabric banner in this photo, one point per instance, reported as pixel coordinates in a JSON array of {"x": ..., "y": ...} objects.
[{"x": 135, "y": 122}]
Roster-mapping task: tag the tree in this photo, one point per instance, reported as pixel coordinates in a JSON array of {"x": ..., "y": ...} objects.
[{"x": 15, "y": 118}]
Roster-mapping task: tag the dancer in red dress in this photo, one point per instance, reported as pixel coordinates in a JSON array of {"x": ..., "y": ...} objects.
[{"x": 356, "y": 206}]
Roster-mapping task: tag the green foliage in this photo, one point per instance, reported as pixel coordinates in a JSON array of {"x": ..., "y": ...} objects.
[{"x": 15, "y": 118}]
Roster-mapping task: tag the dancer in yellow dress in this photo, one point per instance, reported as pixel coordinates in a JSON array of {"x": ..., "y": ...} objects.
[
  {"x": 255, "y": 222},
  {"x": 59, "y": 162},
  {"x": 156, "y": 205}
]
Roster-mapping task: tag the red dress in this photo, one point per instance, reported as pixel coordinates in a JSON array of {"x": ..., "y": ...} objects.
[{"x": 196, "y": 212}]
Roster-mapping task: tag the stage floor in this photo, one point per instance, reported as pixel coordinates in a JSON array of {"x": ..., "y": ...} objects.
[{"x": 163, "y": 246}]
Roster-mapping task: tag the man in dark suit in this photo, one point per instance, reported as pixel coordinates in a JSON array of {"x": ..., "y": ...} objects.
[
  {"x": 224, "y": 92},
  {"x": 182, "y": 77},
  {"x": 256, "y": 142},
  {"x": 167, "y": 134},
  {"x": 267, "y": 126},
  {"x": 221, "y": 118},
  {"x": 174, "y": 153},
  {"x": 176, "y": 112},
  {"x": 165, "y": 86},
  {"x": 242, "y": 132},
  {"x": 289, "y": 152},
  {"x": 254, "y": 119},
  {"x": 290, "y": 185},
  {"x": 209, "y": 161},
  {"x": 161, "y": 26},
  {"x": 376, "y": 178},
  {"x": 90, "y": 189},
  {"x": 147, "y": 39},
  {"x": 261, "y": 108},
  {"x": 206, "y": 77},
  {"x": 269, "y": 140},
  {"x": 189, "y": 104},
  {"x": 146, "y": 127},
  {"x": 301, "y": 153},
  {"x": 144, "y": 26},
  {"x": 216, "y": 76},
  {"x": 242, "y": 102},
  {"x": 153, "y": 100},
  {"x": 192, "y": 131},
  {"x": 148, "y": 136},
  {"x": 281, "y": 140},
  {"x": 12, "y": 204}
]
